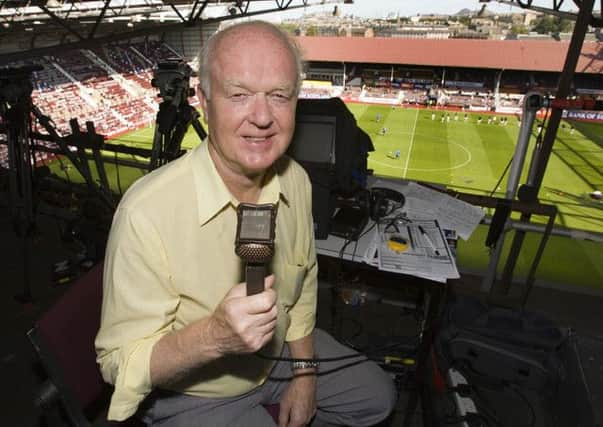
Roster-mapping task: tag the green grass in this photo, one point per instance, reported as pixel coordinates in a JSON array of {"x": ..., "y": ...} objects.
[{"x": 471, "y": 157}]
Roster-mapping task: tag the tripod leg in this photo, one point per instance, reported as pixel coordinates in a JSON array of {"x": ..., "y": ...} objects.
[
  {"x": 157, "y": 150},
  {"x": 20, "y": 184},
  {"x": 197, "y": 126}
]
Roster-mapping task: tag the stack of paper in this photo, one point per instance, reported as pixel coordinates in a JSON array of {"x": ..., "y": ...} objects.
[
  {"x": 423, "y": 252},
  {"x": 420, "y": 226}
]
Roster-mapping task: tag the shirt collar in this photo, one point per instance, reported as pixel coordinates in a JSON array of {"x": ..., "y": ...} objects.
[{"x": 213, "y": 195}]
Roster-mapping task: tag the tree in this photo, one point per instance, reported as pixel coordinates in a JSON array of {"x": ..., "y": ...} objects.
[
  {"x": 552, "y": 24},
  {"x": 289, "y": 28},
  {"x": 311, "y": 31},
  {"x": 518, "y": 29}
]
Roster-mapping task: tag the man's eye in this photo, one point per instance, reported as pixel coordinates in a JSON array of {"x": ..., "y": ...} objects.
[
  {"x": 239, "y": 97},
  {"x": 280, "y": 97}
]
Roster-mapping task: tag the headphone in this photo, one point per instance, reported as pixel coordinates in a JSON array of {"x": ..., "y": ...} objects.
[{"x": 384, "y": 201}]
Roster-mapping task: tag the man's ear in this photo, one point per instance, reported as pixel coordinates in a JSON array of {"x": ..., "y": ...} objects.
[{"x": 203, "y": 101}]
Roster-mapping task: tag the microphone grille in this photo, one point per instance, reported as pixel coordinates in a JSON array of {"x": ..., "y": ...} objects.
[{"x": 254, "y": 252}]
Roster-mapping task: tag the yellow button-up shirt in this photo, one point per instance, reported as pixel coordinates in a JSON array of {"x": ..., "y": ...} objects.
[{"x": 170, "y": 260}]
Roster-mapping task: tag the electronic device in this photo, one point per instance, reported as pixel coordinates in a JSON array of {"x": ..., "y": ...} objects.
[
  {"x": 314, "y": 140},
  {"x": 384, "y": 201},
  {"x": 333, "y": 150},
  {"x": 254, "y": 243},
  {"x": 348, "y": 222},
  {"x": 517, "y": 347}
]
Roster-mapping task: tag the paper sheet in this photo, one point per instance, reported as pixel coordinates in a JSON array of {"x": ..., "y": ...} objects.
[{"x": 451, "y": 213}]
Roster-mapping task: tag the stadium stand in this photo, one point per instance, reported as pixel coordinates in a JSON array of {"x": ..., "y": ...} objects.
[{"x": 111, "y": 85}]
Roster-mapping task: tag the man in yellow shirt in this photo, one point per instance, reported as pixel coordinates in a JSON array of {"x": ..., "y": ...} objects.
[{"x": 178, "y": 331}]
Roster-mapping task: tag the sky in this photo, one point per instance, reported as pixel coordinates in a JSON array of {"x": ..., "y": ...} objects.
[{"x": 381, "y": 8}]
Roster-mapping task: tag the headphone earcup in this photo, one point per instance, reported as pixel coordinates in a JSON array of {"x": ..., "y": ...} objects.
[
  {"x": 378, "y": 207},
  {"x": 383, "y": 201}
]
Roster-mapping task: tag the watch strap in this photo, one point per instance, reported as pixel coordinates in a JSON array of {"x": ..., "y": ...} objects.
[{"x": 304, "y": 364}]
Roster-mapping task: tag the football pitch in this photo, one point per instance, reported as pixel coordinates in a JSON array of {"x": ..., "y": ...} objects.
[{"x": 471, "y": 156}]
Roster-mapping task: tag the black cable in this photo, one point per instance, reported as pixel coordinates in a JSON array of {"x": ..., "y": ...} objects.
[
  {"x": 392, "y": 221},
  {"x": 366, "y": 355},
  {"x": 483, "y": 408},
  {"x": 348, "y": 241},
  {"x": 117, "y": 176},
  {"x": 356, "y": 334},
  {"x": 344, "y": 246},
  {"x": 367, "y": 230},
  {"x": 502, "y": 176},
  {"x": 545, "y": 121},
  {"x": 527, "y": 402},
  {"x": 355, "y": 248}
]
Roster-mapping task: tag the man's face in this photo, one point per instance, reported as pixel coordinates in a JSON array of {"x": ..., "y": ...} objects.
[{"x": 251, "y": 110}]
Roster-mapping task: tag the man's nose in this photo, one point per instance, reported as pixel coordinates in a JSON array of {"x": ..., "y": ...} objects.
[{"x": 261, "y": 111}]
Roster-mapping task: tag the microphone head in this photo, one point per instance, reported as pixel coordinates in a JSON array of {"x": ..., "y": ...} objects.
[{"x": 255, "y": 252}]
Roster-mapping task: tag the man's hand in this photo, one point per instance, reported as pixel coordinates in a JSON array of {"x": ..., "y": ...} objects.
[
  {"x": 298, "y": 404},
  {"x": 244, "y": 324}
]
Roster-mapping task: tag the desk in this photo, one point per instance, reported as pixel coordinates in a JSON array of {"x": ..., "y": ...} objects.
[{"x": 330, "y": 251}]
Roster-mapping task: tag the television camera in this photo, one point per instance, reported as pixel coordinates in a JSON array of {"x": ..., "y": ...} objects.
[{"x": 15, "y": 83}]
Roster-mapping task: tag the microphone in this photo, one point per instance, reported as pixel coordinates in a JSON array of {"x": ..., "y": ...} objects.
[{"x": 254, "y": 242}]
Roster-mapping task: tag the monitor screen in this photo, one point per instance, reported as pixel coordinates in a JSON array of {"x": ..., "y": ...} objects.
[{"x": 314, "y": 139}]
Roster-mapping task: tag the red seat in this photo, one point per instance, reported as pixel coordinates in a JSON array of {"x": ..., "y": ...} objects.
[{"x": 63, "y": 338}]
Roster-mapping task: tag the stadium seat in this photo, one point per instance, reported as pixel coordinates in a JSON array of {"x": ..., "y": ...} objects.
[{"x": 63, "y": 338}]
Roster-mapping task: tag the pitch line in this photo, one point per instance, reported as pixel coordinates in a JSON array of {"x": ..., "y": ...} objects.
[
  {"x": 412, "y": 139},
  {"x": 460, "y": 165}
]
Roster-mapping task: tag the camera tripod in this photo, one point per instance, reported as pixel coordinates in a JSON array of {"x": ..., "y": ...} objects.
[
  {"x": 17, "y": 113},
  {"x": 175, "y": 113},
  {"x": 15, "y": 107}
]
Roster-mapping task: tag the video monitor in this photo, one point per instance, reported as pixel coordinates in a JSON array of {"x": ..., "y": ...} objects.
[{"x": 314, "y": 141}]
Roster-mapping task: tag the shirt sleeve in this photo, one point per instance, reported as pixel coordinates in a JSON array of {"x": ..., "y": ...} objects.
[
  {"x": 303, "y": 313},
  {"x": 138, "y": 309}
]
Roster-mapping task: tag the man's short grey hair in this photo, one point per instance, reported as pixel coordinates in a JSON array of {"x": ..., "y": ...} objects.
[{"x": 208, "y": 51}]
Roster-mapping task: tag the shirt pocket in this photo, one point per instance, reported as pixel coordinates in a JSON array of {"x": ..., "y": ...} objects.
[{"x": 289, "y": 284}]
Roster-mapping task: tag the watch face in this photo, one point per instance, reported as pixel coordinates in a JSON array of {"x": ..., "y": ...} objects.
[{"x": 255, "y": 224}]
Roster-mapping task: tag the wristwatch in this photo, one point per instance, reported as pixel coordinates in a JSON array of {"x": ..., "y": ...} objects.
[{"x": 304, "y": 364}]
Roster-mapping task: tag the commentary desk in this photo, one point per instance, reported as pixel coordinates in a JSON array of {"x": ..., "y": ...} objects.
[{"x": 336, "y": 253}]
